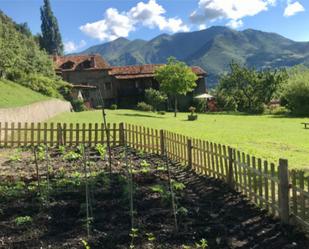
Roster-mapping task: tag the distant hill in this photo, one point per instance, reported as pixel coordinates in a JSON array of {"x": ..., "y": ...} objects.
[{"x": 212, "y": 49}]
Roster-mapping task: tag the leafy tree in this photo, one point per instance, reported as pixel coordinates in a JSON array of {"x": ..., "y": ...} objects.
[
  {"x": 250, "y": 89},
  {"x": 51, "y": 39},
  {"x": 296, "y": 92},
  {"x": 175, "y": 79},
  {"x": 22, "y": 60},
  {"x": 155, "y": 98}
]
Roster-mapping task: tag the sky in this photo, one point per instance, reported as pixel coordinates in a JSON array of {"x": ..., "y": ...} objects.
[{"x": 84, "y": 23}]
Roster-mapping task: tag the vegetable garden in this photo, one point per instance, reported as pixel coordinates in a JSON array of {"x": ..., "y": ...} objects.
[{"x": 129, "y": 196}]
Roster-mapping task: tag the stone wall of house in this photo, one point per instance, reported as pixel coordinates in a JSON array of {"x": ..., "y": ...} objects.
[
  {"x": 36, "y": 112},
  {"x": 98, "y": 78}
]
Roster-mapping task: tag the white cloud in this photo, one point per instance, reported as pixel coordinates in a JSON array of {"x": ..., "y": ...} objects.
[
  {"x": 293, "y": 8},
  {"x": 71, "y": 46},
  {"x": 115, "y": 24},
  {"x": 232, "y": 10},
  {"x": 235, "y": 24},
  {"x": 202, "y": 26}
]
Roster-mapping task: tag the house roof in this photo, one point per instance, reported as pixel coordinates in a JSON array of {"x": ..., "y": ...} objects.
[
  {"x": 76, "y": 60},
  {"x": 143, "y": 71}
]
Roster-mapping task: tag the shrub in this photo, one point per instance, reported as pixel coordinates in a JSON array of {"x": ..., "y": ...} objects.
[
  {"x": 113, "y": 107},
  {"x": 161, "y": 112},
  {"x": 142, "y": 106},
  {"x": 277, "y": 110},
  {"x": 200, "y": 104},
  {"x": 78, "y": 105},
  {"x": 46, "y": 85},
  {"x": 296, "y": 94},
  {"x": 155, "y": 98}
]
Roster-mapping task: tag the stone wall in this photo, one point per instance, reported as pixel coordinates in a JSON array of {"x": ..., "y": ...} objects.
[{"x": 36, "y": 112}]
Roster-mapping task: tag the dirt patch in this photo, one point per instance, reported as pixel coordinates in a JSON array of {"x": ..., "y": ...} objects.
[{"x": 206, "y": 208}]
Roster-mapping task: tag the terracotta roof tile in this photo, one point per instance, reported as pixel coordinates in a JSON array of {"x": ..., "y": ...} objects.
[
  {"x": 77, "y": 60},
  {"x": 143, "y": 71}
]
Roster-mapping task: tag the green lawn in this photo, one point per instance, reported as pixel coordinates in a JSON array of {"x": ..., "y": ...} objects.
[
  {"x": 14, "y": 95},
  {"x": 266, "y": 136}
]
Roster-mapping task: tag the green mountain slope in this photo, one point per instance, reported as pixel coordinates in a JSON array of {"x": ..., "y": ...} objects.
[
  {"x": 14, "y": 95},
  {"x": 212, "y": 49}
]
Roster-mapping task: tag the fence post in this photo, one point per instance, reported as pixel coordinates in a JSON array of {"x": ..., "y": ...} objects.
[
  {"x": 230, "y": 173},
  {"x": 162, "y": 144},
  {"x": 189, "y": 149},
  {"x": 59, "y": 134},
  {"x": 121, "y": 134},
  {"x": 283, "y": 190}
]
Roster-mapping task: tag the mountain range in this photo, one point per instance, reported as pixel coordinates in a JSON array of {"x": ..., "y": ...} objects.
[{"x": 212, "y": 49}]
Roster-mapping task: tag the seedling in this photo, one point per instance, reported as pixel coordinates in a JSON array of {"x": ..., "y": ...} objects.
[
  {"x": 203, "y": 244},
  {"x": 101, "y": 149},
  {"x": 41, "y": 155},
  {"x": 23, "y": 220},
  {"x": 161, "y": 168},
  {"x": 145, "y": 164},
  {"x": 61, "y": 149},
  {"x": 178, "y": 186},
  {"x": 133, "y": 234},
  {"x": 85, "y": 243},
  {"x": 182, "y": 211},
  {"x": 158, "y": 189},
  {"x": 71, "y": 156},
  {"x": 150, "y": 237},
  {"x": 15, "y": 158}
]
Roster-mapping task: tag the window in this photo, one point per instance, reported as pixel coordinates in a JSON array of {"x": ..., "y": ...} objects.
[{"x": 108, "y": 86}]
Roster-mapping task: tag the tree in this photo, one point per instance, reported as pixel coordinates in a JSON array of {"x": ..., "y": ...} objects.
[
  {"x": 296, "y": 92},
  {"x": 51, "y": 37},
  {"x": 175, "y": 79},
  {"x": 250, "y": 89},
  {"x": 154, "y": 98}
]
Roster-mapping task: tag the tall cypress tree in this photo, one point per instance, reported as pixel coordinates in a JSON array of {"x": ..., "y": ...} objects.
[{"x": 51, "y": 38}]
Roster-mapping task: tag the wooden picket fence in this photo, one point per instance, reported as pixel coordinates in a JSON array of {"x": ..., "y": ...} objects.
[{"x": 270, "y": 186}]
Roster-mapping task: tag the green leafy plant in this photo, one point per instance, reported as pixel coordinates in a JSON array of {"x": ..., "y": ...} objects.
[
  {"x": 72, "y": 156},
  {"x": 85, "y": 244},
  {"x": 157, "y": 189},
  {"x": 145, "y": 166},
  {"x": 101, "y": 149},
  {"x": 155, "y": 98},
  {"x": 113, "y": 107},
  {"x": 182, "y": 211},
  {"x": 142, "y": 106},
  {"x": 178, "y": 186},
  {"x": 150, "y": 237},
  {"x": 23, "y": 220},
  {"x": 15, "y": 158},
  {"x": 133, "y": 234},
  {"x": 203, "y": 244},
  {"x": 61, "y": 149}
]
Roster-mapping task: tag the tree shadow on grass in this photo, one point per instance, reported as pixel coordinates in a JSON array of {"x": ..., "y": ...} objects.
[{"x": 138, "y": 115}]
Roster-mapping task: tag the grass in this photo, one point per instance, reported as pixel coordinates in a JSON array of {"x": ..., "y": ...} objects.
[
  {"x": 266, "y": 136},
  {"x": 15, "y": 95}
]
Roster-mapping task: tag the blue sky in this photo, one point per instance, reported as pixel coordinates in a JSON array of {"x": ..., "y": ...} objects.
[{"x": 84, "y": 23}]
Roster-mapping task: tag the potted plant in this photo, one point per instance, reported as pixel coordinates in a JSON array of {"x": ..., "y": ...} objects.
[{"x": 192, "y": 115}]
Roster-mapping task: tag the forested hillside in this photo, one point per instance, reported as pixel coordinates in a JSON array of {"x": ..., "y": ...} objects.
[
  {"x": 22, "y": 60},
  {"x": 213, "y": 49}
]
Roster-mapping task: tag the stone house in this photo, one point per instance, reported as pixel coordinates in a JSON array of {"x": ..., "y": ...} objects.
[{"x": 123, "y": 85}]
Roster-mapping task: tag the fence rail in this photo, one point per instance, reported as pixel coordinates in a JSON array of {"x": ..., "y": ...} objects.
[{"x": 270, "y": 186}]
